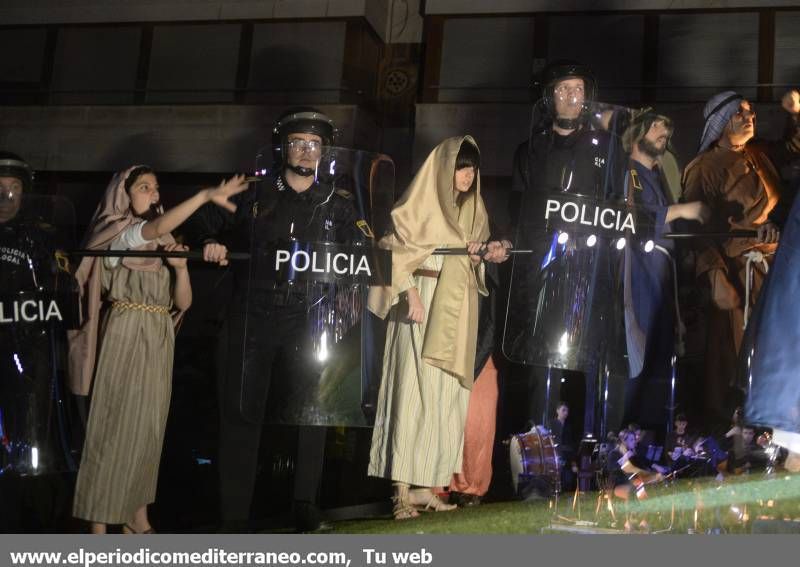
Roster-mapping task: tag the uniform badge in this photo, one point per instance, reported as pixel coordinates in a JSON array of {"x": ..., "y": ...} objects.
[
  {"x": 62, "y": 261},
  {"x": 635, "y": 180},
  {"x": 364, "y": 227}
]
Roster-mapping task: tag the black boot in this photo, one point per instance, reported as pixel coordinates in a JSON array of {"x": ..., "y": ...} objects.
[{"x": 309, "y": 518}]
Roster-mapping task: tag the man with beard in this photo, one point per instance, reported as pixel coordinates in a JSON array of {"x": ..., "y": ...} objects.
[
  {"x": 649, "y": 298},
  {"x": 738, "y": 177}
]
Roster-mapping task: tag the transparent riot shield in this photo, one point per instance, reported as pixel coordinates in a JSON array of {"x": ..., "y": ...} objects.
[
  {"x": 38, "y": 302},
  {"x": 578, "y": 223},
  {"x": 306, "y": 338}
]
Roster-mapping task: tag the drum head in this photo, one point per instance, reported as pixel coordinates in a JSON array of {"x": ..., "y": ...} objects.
[{"x": 533, "y": 462}]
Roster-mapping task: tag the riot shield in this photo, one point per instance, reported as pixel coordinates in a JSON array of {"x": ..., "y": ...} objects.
[
  {"x": 578, "y": 220},
  {"x": 38, "y": 302},
  {"x": 306, "y": 339}
]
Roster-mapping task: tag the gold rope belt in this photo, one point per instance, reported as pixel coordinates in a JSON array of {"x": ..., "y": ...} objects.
[{"x": 149, "y": 307}]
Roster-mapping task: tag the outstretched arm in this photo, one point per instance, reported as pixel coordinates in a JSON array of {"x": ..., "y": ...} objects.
[{"x": 174, "y": 217}]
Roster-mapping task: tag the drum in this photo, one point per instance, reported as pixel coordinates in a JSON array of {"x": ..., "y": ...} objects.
[{"x": 534, "y": 463}]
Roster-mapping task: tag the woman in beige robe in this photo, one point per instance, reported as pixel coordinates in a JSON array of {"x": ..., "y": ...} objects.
[
  {"x": 432, "y": 304},
  {"x": 130, "y": 378}
]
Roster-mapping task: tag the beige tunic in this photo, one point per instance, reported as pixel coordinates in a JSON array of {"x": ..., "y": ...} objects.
[
  {"x": 419, "y": 425},
  {"x": 130, "y": 400}
]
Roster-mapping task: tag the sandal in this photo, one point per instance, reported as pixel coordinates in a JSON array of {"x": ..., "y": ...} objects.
[
  {"x": 403, "y": 509},
  {"x": 434, "y": 503},
  {"x": 127, "y": 529}
]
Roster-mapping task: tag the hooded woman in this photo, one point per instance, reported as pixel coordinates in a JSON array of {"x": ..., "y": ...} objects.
[
  {"x": 432, "y": 304},
  {"x": 130, "y": 377}
]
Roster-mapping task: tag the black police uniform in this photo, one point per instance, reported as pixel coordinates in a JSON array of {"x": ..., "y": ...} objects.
[
  {"x": 34, "y": 413},
  {"x": 266, "y": 214},
  {"x": 27, "y": 396},
  {"x": 585, "y": 162}
]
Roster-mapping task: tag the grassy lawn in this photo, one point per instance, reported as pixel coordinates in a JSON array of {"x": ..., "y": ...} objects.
[{"x": 689, "y": 506}]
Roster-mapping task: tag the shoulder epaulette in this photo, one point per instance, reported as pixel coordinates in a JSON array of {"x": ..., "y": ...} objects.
[
  {"x": 345, "y": 193},
  {"x": 635, "y": 179}
]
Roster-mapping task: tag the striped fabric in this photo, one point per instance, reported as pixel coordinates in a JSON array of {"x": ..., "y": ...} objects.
[
  {"x": 717, "y": 112},
  {"x": 130, "y": 400},
  {"x": 419, "y": 427}
]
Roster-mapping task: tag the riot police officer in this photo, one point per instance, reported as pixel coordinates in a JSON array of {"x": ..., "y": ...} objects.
[
  {"x": 565, "y": 154},
  {"x": 560, "y": 153},
  {"x": 19, "y": 232},
  {"x": 34, "y": 426},
  {"x": 292, "y": 203}
]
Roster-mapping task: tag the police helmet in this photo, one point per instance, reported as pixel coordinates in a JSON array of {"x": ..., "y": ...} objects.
[
  {"x": 558, "y": 71},
  {"x": 11, "y": 165},
  {"x": 301, "y": 120}
]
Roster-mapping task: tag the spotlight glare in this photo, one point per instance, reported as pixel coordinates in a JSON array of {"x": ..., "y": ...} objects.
[
  {"x": 591, "y": 241},
  {"x": 621, "y": 243},
  {"x": 322, "y": 353},
  {"x": 563, "y": 344},
  {"x": 649, "y": 246},
  {"x": 563, "y": 237}
]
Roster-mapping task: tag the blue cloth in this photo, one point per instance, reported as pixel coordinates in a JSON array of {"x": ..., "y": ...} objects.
[
  {"x": 649, "y": 274},
  {"x": 772, "y": 344},
  {"x": 649, "y": 308}
]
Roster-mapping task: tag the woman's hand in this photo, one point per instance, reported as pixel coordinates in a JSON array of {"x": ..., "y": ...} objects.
[
  {"x": 416, "y": 311},
  {"x": 473, "y": 248},
  {"x": 177, "y": 263},
  {"x": 221, "y": 194},
  {"x": 497, "y": 251}
]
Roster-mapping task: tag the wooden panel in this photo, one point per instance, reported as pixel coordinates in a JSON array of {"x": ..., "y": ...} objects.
[
  {"x": 243, "y": 63},
  {"x": 486, "y": 59},
  {"x": 611, "y": 45},
  {"x": 433, "y": 34},
  {"x": 193, "y": 63},
  {"x": 700, "y": 55},
  {"x": 143, "y": 67},
  {"x": 786, "y": 68},
  {"x": 362, "y": 55},
  {"x": 766, "y": 53},
  {"x": 650, "y": 58},
  {"x": 96, "y": 65}
]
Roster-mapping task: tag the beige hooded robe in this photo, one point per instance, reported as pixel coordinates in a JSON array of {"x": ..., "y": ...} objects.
[{"x": 428, "y": 368}]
